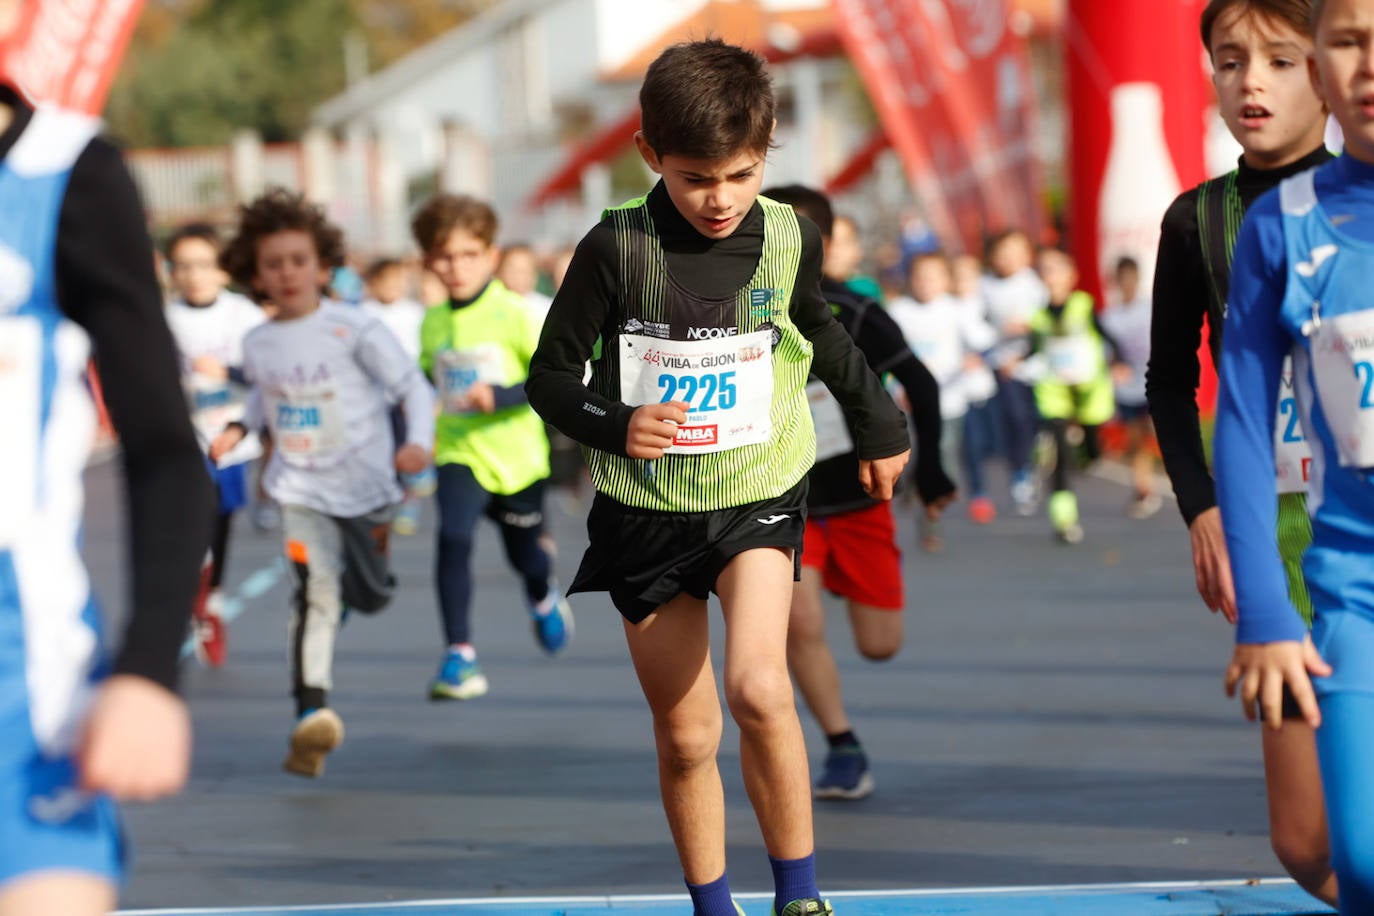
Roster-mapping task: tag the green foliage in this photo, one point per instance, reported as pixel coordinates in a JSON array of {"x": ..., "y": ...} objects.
[{"x": 198, "y": 70}]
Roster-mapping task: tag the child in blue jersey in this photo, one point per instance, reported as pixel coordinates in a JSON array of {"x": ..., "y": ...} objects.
[
  {"x": 79, "y": 729},
  {"x": 700, "y": 309},
  {"x": 1265, "y": 96},
  {"x": 1300, "y": 286}
]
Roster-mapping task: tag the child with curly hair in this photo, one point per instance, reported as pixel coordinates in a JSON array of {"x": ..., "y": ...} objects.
[{"x": 324, "y": 377}]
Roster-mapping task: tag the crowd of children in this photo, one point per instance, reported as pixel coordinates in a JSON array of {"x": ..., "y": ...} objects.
[{"x": 779, "y": 469}]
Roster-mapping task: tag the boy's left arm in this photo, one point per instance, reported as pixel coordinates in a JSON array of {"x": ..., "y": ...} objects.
[
  {"x": 880, "y": 434},
  {"x": 383, "y": 358}
]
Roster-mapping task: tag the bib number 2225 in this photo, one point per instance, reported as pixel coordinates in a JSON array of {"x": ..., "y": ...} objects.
[{"x": 702, "y": 393}]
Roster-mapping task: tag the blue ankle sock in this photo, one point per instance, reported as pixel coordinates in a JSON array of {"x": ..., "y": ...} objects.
[
  {"x": 793, "y": 879},
  {"x": 712, "y": 899}
]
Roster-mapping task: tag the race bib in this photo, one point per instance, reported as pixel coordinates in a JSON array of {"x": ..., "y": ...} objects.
[
  {"x": 1292, "y": 457},
  {"x": 456, "y": 371},
  {"x": 727, "y": 384},
  {"x": 1343, "y": 367},
  {"x": 1074, "y": 359},
  {"x": 832, "y": 432},
  {"x": 307, "y": 424},
  {"x": 21, "y": 342}
]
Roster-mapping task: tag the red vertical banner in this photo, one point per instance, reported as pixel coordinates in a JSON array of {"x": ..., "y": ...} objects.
[
  {"x": 65, "y": 52},
  {"x": 951, "y": 84},
  {"x": 1138, "y": 104}
]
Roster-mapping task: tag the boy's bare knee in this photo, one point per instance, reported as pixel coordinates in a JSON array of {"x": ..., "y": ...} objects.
[
  {"x": 759, "y": 697},
  {"x": 684, "y": 746}
]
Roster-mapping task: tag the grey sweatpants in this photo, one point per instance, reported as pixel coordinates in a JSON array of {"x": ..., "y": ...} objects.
[{"x": 337, "y": 562}]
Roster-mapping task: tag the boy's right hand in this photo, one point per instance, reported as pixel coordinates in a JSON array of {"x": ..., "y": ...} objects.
[
  {"x": 224, "y": 443},
  {"x": 653, "y": 428},
  {"x": 1212, "y": 564},
  {"x": 1260, "y": 671}
]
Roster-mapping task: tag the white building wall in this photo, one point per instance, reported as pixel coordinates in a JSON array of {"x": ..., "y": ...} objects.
[
  {"x": 623, "y": 26},
  {"x": 570, "y": 48}
]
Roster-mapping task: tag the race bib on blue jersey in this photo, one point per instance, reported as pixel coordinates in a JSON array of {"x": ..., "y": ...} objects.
[
  {"x": 1292, "y": 455},
  {"x": 1343, "y": 368}
]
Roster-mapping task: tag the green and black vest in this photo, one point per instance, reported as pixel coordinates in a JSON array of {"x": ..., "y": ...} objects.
[
  {"x": 1220, "y": 212},
  {"x": 652, "y": 303}
]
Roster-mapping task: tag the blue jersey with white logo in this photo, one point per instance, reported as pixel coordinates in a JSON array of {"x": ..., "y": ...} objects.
[
  {"x": 1303, "y": 272},
  {"x": 49, "y": 641}
]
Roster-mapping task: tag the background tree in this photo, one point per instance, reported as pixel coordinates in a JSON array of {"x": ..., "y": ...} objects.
[{"x": 198, "y": 70}]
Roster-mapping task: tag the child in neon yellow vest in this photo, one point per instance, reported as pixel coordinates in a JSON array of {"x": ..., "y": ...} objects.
[
  {"x": 1073, "y": 384},
  {"x": 490, "y": 449}
]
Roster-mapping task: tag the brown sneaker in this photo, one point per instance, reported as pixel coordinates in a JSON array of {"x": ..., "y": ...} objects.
[{"x": 316, "y": 734}]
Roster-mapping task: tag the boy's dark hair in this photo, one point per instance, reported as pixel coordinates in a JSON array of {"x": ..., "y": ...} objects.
[
  {"x": 707, "y": 100},
  {"x": 1127, "y": 262},
  {"x": 279, "y": 210},
  {"x": 1300, "y": 14},
  {"x": 443, "y": 213},
  {"x": 381, "y": 266},
  {"x": 202, "y": 231},
  {"x": 809, "y": 202}
]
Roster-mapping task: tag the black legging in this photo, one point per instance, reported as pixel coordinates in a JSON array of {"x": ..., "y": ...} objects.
[
  {"x": 219, "y": 547},
  {"x": 1063, "y": 457}
]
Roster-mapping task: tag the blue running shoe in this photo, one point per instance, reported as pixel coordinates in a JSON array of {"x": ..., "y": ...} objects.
[
  {"x": 845, "y": 774},
  {"x": 553, "y": 629},
  {"x": 459, "y": 678}
]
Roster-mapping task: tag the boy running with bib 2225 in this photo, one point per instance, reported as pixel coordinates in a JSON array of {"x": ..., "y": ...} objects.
[{"x": 700, "y": 309}]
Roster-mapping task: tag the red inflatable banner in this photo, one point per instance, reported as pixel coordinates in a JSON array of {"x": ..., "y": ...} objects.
[
  {"x": 1138, "y": 100},
  {"x": 66, "y": 52},
  {"x": 952, "y": 86}
]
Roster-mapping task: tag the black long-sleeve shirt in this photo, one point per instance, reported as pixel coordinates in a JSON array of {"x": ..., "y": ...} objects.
[
  {"x": 835, "y": 486},
  {"x": 106, "y": 284},
  {"x": 1182, "y": 297},
  {"x": 587, "y": 305}
]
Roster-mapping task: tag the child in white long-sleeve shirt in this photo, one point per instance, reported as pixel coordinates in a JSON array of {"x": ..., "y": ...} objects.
[
  {"x": 324, "y": 378},
  {"x": 948, "y": 339}
]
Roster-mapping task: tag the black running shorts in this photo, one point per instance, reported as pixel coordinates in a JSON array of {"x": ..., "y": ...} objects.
[{"x": 645, "y": 558}]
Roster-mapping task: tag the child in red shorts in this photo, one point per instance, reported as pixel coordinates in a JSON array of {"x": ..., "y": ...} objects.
[{"x": 850, "y": 546}]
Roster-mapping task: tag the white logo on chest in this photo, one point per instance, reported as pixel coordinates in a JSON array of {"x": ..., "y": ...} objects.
[
  {"x": 1320, "y": 255},
  {"x": 16, "y": 279}
]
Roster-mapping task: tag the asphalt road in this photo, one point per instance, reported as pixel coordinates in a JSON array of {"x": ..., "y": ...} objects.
[{"x": 1055, "y": 717}]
